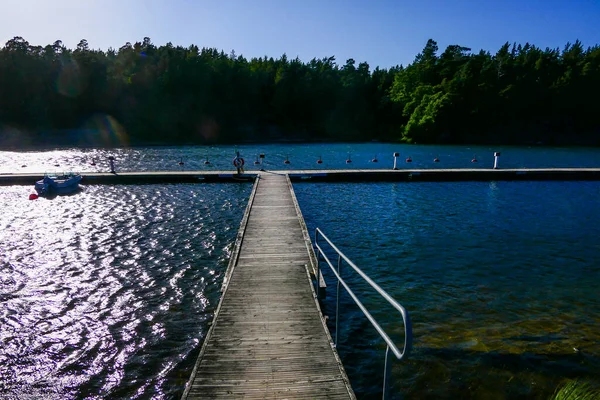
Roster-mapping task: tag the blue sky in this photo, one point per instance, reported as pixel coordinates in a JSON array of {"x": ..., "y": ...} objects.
[{"x": 381, "y": 32}]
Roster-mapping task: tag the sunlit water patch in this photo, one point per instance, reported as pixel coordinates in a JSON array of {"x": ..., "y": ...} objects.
[
  {"x": 300, "y": 156},
  {"x": 501, "y": 280},
  {"x": 108, "y": 293}
]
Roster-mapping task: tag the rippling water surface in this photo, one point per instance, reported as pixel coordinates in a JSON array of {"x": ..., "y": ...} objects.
[
  {"x": 501, "y": 280},
  {"x": 107, "y": 293},
  {"x": 301, "y": 156}
]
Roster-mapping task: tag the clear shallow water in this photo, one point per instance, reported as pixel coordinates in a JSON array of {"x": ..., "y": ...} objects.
[
  {"x": 501, "y": 280},
  {"x": 303, "y": 156},
  {"x": 107, "y": 293}
]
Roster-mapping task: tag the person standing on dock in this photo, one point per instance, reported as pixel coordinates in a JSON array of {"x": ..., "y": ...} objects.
[{"x": 111, "y": 160}]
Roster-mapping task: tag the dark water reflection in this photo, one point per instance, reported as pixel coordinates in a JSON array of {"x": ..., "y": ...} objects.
[
  {"x": 501, "y": 280},
  {"x": 104, "y": 294}
]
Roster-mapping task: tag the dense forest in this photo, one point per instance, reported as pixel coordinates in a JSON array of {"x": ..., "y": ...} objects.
[{"x": 170, "y": 95}]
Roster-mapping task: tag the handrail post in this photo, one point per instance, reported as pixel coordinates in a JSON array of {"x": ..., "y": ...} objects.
[
  {"x": 387, "y": 369},
  {"x": 318, "y": 277},
  {"x": 337, "y": 303}
]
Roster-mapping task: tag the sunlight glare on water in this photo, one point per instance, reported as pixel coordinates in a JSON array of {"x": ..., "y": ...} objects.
[
  {"x": 301, "y": 156},
  {"x": 105, "y": 293}
]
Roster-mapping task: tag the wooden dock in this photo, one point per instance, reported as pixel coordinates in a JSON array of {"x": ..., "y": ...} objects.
[
  {"x": 268, "y": 339},
  {"x": 135, "y": 178},
  {"x": 447, "y": 175},
  {"x": 342, "y": 175}
]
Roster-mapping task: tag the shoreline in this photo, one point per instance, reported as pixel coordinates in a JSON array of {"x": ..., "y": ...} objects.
[{"x": 24, "y": 149}]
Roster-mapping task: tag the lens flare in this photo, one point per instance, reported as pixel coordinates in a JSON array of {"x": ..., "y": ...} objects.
[{"x": 110, "y": 132}]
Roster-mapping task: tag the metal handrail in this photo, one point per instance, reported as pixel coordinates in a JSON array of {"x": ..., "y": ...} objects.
[{"x": 405, "y": 317}]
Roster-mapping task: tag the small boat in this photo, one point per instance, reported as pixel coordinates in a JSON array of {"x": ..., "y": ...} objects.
[{"x": 58, "y": 184}]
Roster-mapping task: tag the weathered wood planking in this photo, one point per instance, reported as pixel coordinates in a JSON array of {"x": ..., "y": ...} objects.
[
  {"x": 343, "y": 175},
  {"x": 268, "y": 339}
]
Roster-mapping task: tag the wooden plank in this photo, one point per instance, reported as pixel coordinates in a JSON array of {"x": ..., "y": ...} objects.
[
  {"x": 268, "y": 339},
  {"x": 343, "y": 175}
]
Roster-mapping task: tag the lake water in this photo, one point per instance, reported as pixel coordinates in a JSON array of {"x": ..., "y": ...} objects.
[
  {"x": 334, "y": 156},
  {"x": 501, "y": 280},
  {"x": 108, "y": 293}
]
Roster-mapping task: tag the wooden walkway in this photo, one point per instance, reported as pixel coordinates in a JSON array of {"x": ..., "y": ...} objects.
[
  {"x": 340, "y": 175},
  {"x": 268, "y": 339}
]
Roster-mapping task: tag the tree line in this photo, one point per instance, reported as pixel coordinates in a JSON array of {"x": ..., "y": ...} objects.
[{"x": 172, "y": 94}]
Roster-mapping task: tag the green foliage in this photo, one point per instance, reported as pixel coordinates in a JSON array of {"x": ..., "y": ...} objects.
[
  {"x": 173, "y": 94},
  {"x": 575, "y": 390},
  {"x": 422, "y": 126},
  {"x": 522, "y": 94}
]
